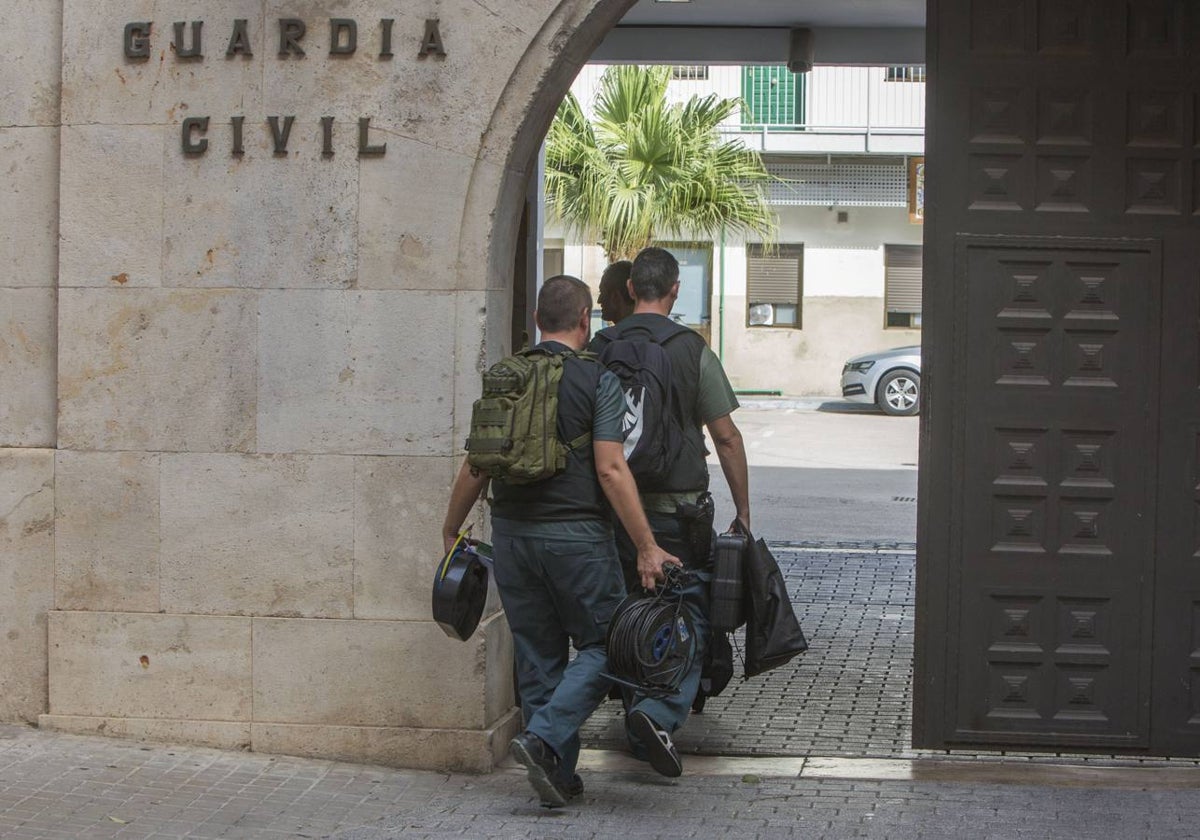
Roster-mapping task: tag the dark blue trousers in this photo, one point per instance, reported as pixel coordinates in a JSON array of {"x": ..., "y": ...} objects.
[
  {"x": 559, "y": 583},
  {"x": 670, "y": 533}
]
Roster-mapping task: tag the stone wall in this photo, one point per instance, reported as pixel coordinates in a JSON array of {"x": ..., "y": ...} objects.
[
  {"x": 29, "y": 135},
  {"x": 236, "y": 386}
]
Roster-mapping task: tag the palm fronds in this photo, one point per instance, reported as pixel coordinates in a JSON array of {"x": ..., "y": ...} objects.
[{"x": 644, "y": 169}]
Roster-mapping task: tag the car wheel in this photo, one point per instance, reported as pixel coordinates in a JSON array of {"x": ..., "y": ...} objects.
[{"x": 899, "y": 393}]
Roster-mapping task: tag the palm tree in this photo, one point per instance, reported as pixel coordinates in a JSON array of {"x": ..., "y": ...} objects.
[{"x": 646, "y": 169}]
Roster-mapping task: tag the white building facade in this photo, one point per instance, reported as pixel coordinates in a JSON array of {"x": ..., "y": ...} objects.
[{"x": 844, "y": 278}]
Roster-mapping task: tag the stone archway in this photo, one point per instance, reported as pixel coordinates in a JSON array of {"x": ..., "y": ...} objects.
[
  {"x": 234, "y": 435},
  {"x": 241, "y": 368},
  {"x": 515, "y": 133}
]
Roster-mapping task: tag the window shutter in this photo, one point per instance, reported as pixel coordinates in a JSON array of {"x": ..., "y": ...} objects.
[
  {"x": 774, "y": 279},
  {"x": 773, "y": 95},
  {"x": 902, "y": 274}
]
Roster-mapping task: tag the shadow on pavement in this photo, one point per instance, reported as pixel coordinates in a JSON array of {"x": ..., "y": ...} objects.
[{"x": 837, "y": 407}]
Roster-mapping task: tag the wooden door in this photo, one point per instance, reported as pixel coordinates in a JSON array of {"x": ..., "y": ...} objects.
[{"x": 1058, "y": 568}]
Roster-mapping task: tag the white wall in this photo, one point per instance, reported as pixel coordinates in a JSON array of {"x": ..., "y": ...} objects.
[
  {"x": 842, "y": 312},
  {"x": 844, "y": 96},
  {"x": 840, "y": 259}
]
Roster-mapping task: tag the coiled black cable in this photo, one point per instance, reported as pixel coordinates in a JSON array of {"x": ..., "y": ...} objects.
[{"x": 651, "y": 641}]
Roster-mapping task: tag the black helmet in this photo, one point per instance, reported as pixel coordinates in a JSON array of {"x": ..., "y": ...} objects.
[{"x": 460, "y": 588}]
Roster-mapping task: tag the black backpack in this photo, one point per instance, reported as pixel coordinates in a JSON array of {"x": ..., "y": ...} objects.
[{"x": 652, "y": 427}]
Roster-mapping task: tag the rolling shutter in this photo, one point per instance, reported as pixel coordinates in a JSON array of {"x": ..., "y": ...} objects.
[
  {"x": 902, "y": 276},
  {"x": 774, "y": 278}
]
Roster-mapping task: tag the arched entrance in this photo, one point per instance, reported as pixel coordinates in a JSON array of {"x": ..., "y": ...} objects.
[
  {"x": 1056, "y": 572},
  {"x": 230, "y": 423}
]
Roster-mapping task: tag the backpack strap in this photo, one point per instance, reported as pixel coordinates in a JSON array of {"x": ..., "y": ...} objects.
[
  {"x": 583, "y": 355},
  {"x": 666, "y": 329},
  {"x": 533, "y": 351},
  {"x": 606, "y": 335},
  {"x": 585, "y": 438},
  {"x": 660, "y": 331},
  {"x": 581, "y": 441}
]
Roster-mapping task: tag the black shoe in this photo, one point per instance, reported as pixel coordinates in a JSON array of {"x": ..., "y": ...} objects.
[
  {"x": 663, "y": 756},
  {"x": 573, "y": 787},
  {"x": 541, "y": 764}
]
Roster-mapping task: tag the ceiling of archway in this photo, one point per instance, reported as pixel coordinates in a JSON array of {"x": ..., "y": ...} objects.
[
  {"x": 779, "y": 13},
  {"x": 757, "y": 32}
]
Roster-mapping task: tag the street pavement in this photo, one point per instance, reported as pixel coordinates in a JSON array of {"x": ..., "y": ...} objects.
[
  {"x": 818, "y": 749},
  {"x": 65, "y": 786},
  {"x": 824, "y": 471}
]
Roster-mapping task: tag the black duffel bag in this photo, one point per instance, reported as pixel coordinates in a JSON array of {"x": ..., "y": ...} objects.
[{"x": 773, "y": 634}]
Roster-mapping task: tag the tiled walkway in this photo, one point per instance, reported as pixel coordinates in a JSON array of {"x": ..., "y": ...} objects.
[
  {"x": 848, "y": 697},
  {"x": 55, "y": 786},
  {"x": 850, "y": 694}
]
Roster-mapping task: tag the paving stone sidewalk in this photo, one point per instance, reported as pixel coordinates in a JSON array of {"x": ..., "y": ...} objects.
[
  {"x": 774, "y": 809},
  {"x": 850, "y": 694},
  {"x": 66, "y": 786}
]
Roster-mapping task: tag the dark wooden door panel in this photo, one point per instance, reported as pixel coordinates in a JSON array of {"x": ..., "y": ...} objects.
[
  {"x": 1176, "y": 710},
  {"x": 1057, "y": 490},
  {"x": 1059, "y": 527}
]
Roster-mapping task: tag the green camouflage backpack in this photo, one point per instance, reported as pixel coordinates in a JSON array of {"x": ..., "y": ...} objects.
[{"x": 514, "y": 435}]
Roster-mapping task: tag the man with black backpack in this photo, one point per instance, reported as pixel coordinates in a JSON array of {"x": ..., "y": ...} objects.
[
  {"x": 675, "y": 387},
  {"x": 547, "y": 435}
]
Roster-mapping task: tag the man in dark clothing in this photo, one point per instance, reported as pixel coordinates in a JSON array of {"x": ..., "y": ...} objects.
[
  {"x": 705, "y": 399},
  {"x": 555, "y": 560},
  {"x": 615, "y": 301}
]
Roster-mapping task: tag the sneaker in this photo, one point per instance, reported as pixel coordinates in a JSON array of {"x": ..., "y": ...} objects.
[
  {"x": 661, "y": 753},
  {"x": 541, "y": 764},
  {"x": 574, "y": 787}
]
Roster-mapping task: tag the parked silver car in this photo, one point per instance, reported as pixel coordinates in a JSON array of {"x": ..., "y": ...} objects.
[{"x": 890, "y": 378}]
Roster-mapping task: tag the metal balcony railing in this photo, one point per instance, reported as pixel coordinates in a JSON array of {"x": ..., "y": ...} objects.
[
  {"x": 829, "y": 139},
  {"x": 841, "y": 110}
]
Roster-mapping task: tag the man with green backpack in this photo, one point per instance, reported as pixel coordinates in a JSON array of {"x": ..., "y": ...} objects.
[{"x": 546, "y": 435}]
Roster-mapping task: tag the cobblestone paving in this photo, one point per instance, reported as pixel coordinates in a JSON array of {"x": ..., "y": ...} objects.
[
  {"x": 65, "y": 786},
  {"x": 850, "y": 694},
  {"x": 774, "y": 809},
  {"x": 55, "y": 786}
]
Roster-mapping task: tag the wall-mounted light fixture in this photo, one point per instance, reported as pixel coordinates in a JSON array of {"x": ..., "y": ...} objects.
[{"x": 800, "y": 51}]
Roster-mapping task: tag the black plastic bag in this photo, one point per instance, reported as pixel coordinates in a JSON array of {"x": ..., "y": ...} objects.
[{"x": 773, "y": 634}]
